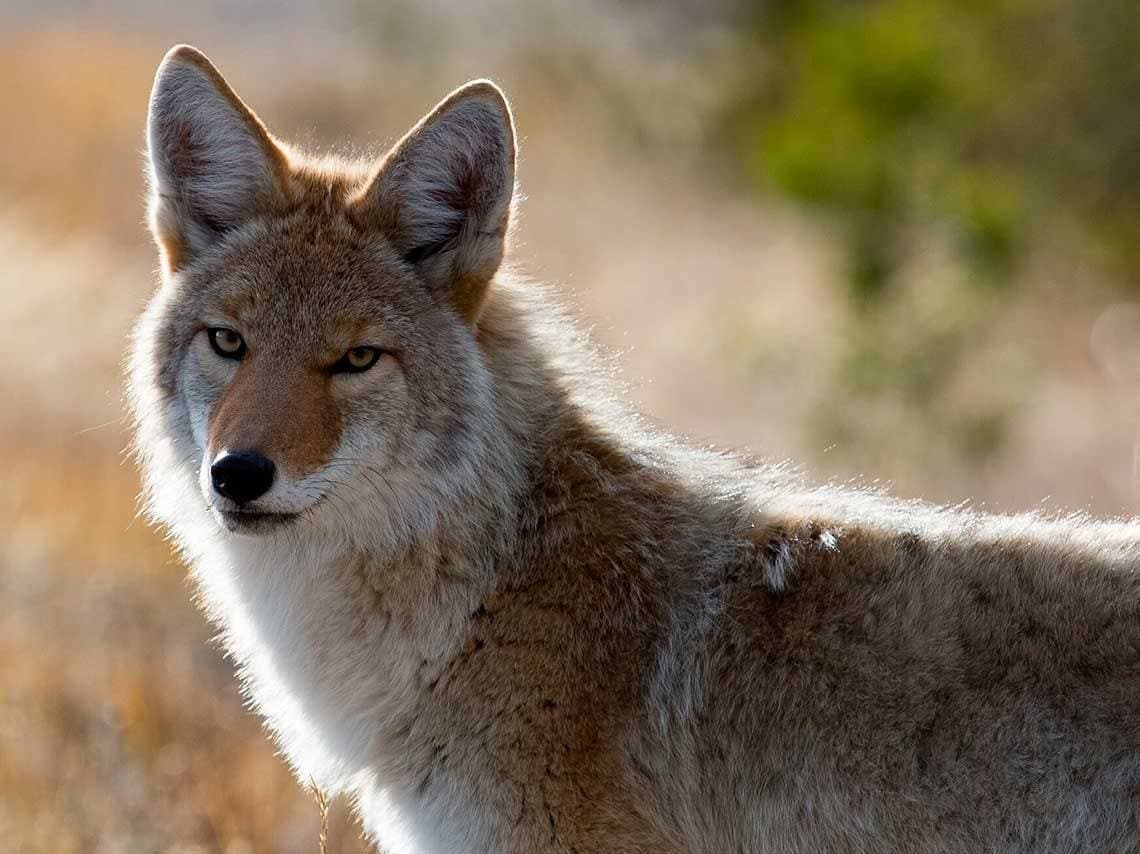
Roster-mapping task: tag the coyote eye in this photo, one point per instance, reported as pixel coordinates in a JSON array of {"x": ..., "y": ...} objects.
[
  {"x": 226, "y": 343},
  {"x": 357, "y": 360}
]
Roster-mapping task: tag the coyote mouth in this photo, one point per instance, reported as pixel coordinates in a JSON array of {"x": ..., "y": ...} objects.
[{"x": 252, "y": 522}]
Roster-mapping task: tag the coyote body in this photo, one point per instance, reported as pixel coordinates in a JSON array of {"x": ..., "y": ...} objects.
[{"x": 502, "y": 615}]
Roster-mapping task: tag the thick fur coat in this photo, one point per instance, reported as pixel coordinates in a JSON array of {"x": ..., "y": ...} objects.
[{"x": 502, "y": 615}]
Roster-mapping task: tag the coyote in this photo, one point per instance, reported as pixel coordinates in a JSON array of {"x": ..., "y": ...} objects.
[{"x": 469, "y": 590}]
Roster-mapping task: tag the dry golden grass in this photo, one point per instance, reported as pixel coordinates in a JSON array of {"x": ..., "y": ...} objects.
[
  {"x": 72, "y": 127},
  {"x": 120, "y": 724},
  {"x": 121, "y": 728}
]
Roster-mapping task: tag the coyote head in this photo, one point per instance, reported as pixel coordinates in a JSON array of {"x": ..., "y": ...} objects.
[{"x": 313, "y": 342}]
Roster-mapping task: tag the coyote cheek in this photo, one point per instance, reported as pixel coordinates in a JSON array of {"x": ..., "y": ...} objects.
[{"x": 296, "y": 422}]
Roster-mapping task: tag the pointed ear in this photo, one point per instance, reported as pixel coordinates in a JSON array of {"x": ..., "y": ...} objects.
[
  {"x": 213, "y": 165},
  {"x": 443, "y": 195}
]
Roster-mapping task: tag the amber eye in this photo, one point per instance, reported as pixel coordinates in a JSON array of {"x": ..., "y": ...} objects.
[
  {"x": 357, "y": 360},
  {"x": 226, "y": 343}
]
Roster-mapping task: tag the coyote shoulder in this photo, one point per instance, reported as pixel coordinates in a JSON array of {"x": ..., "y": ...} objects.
[{"x": 467, "y": 589}]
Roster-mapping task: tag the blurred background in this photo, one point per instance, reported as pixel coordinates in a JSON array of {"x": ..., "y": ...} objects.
[{"x": 896, "y": 241}]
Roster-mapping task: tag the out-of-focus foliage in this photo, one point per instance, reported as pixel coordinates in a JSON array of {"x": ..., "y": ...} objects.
[
  {"x": 979, "y": 117},
  {"x": 981, "y": 125}
]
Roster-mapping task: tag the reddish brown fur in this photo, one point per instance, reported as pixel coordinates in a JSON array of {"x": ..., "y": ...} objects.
[{"x": 294, "y": 420}]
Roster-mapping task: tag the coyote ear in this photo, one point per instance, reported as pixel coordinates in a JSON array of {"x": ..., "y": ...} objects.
[
  {"x": 213, "y": 165},
  {"x": 443, "y": 194}
]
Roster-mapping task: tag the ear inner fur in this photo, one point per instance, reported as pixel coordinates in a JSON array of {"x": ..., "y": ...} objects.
[
  {"x": 443, "y": 195},
  {"x": 213, "y": 164}
]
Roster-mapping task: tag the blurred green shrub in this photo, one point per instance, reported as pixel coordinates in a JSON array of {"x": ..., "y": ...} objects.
[
  {"x": 977, "y": 123},
  {"x": 978, "y": 115}
]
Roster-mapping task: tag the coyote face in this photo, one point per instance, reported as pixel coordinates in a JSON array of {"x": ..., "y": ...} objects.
[{"x": 313, "y": 343}]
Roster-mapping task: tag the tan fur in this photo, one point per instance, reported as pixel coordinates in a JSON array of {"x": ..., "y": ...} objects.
[{"x": 520, "y": 621}]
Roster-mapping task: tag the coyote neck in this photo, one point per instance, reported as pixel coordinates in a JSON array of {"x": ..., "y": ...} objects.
[
  {"x": 338, "y": 640},
  {"x": 334, "y": 646}
]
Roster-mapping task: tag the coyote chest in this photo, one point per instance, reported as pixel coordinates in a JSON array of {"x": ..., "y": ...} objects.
[{"x": 331, "y": 684}]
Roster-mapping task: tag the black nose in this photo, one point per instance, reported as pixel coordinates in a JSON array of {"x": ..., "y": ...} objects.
[{"x": 241, "y": 476}]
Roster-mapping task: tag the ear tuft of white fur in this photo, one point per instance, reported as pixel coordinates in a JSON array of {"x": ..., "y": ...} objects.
[
  {"x": 212, "y": 163},
  {"x": 444, "y": 193}
]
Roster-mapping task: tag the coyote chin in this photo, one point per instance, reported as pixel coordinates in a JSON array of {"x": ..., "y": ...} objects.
[{"x": 467, "y": 589}]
